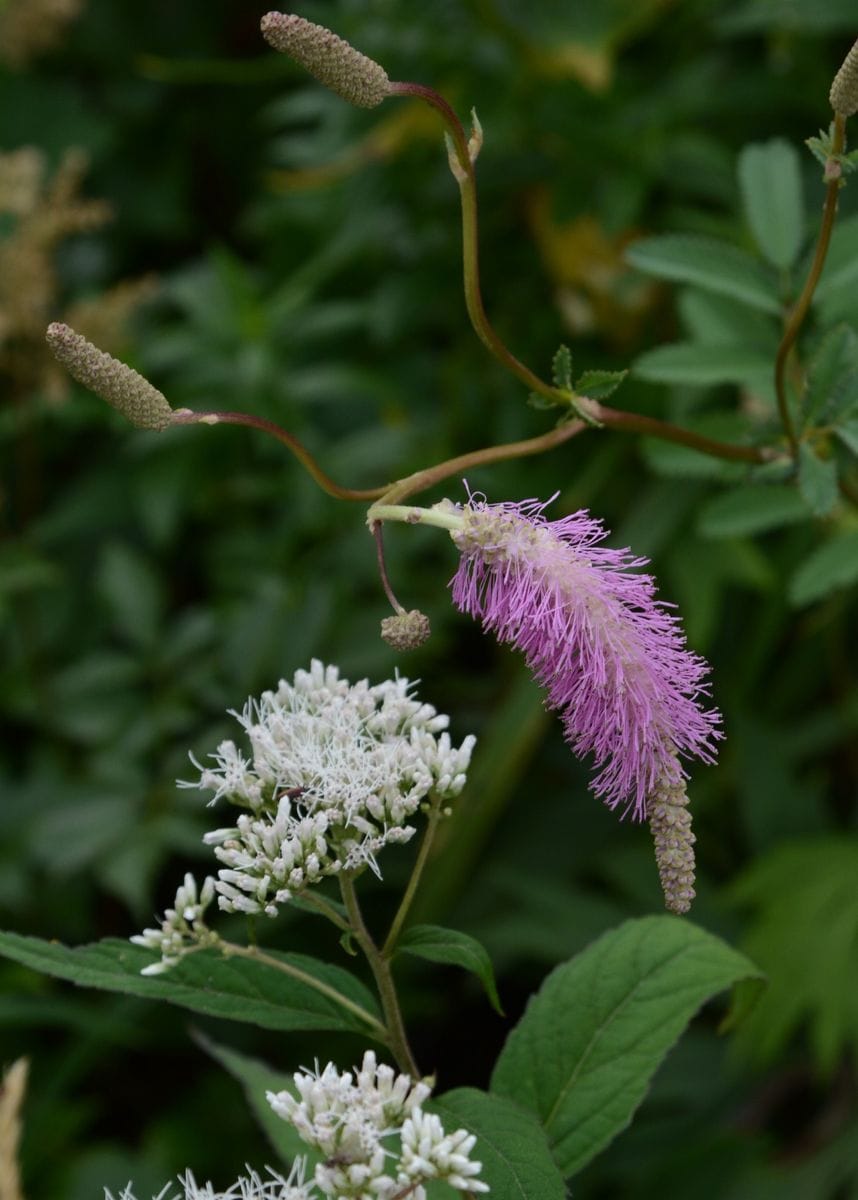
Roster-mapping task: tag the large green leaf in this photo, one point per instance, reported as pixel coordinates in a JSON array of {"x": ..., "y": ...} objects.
[
  {"x": 711, "y": 264},
  {"x": 770, "y": 181},
  {"x": 704, "y": 364},
  {"x": 440, "y": 945},
  {"x": 583, "y": 1054},
  {"x": 832, "y": 565},
  {"x": 753, "y": 508},
  {"x": 513, "y": 1149},
  {"x": 205, "y": 982}
]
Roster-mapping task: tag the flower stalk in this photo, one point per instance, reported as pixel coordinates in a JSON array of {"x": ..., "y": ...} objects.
[
  {"x": 396, "y": 1036},
  {"x": 796, "y": 318}
]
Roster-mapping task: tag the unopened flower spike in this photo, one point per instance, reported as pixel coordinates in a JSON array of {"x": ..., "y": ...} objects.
[
  {"x": 328, "y": 58},
  {"x": 670, "y": 822},
  {"x": 844, "y": 89},
  {"x": 120, "y": 385},
  {"x": 610, "y": 655}
]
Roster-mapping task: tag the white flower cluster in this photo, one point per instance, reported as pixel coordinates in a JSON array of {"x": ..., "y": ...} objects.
[
  {"x": 337, "y": 771},
  {"x": 250, "y": 1187},
  {"x": 348, "y": 1117},
  {"x": 183, "y": 928}
]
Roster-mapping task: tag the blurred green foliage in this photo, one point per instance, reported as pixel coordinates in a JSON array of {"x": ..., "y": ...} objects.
[{"x": 308, "y": 264}]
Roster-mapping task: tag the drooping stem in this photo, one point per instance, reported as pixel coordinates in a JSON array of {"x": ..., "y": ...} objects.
[
  {"x": 433, "y": 818},
  {"x": 233, "y": 950},
  {"x": 799, "y": 311},
  {"x": 396, "y": 1037},
  {"x": 186, "y": 416}
]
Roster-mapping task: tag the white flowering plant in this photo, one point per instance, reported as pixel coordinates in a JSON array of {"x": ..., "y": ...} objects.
[{"x": 329, "y": 779}]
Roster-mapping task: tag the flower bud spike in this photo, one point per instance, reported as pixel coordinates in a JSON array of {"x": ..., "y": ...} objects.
[
  {"x": 670, "y": 822},
  {"x": 459, "y": 172},
  {"x": 329, "y": 59},
  {"x": 844, "y": 89},
  {"x": 120, "y": 385}
]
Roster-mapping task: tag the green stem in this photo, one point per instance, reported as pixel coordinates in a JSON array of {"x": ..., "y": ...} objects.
[
  {"x": 232, "y": 950},
  {"x": 799, "y": 311},
  {"x": 396, "y": 1038},
  {"x": 185, "y": 416},
  {"x": 467, "y": 181},
  {"x": 412, "y": 514},
  {"x": 433, "y": 819}
]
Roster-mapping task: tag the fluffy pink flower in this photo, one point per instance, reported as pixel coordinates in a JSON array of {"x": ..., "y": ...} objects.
[{"x": 610, "y": 655}]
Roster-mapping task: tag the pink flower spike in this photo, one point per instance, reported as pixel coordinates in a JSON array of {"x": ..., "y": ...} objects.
[{"x": 610, "y": 655}]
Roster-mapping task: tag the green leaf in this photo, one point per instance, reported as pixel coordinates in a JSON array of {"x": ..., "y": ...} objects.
[
  {"x": 830, "y": 566},
  {"x": 803, "y": 931},
  {"x": 257, "y": 1078},
  {"x": 832, "y": 378},
  {"x": 719, "y": 320},
  {"x": 440, "y": 945},
  {"x": 817, "y": 481},
  {"x": 205, "y": 982},
  {"x": 770, "y": 183},
  {"x": 848, "y": 434},
  {"x": 541, "y": 403},
  {"x": 591, "y": 1039},
  {"x": 711, "y": 264},
  {"x": 704, "y": 364},
  {"x": 841, "y": 263},
  {"x": 514, "y": 1152},
  {"x": 133, "y": 592},
  {"x": 598, "y": 385},
  {"x": 561, "y": 369},
  {"x": 752, "y": 509}
]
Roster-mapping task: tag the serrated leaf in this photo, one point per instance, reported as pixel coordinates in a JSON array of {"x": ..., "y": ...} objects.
[
  {"x": 561, "y": 369},
  {"x": 439, "y": 945},
  {"x": 770, "y": 183},
  {"x": 598, "y": 385},
  {"x": 257, "y": 1078},
  {"x": 830, "y": 566},
  {"x": 711, "y": 264},
  {"x": 541, "y": 403},
  {"x": 583, "y": 1054},
  {"x": 752, "y": 509},
  {"x": 516, "y": 1160},
  {"x": 832, "y": 378},
  {"x": 817, "y": 481},
  {"x": 205, "y": 982},
  {"x": 703, "y": 364}
]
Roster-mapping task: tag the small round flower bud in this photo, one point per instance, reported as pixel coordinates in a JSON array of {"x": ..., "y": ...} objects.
[
  {"x": 670, "y": 822},
  {"x": 112, "y": 380},
  {"x": 328, "y": 58},
  {"x": 844, "y": 89},
  {"x": 406, "y": 630}
]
